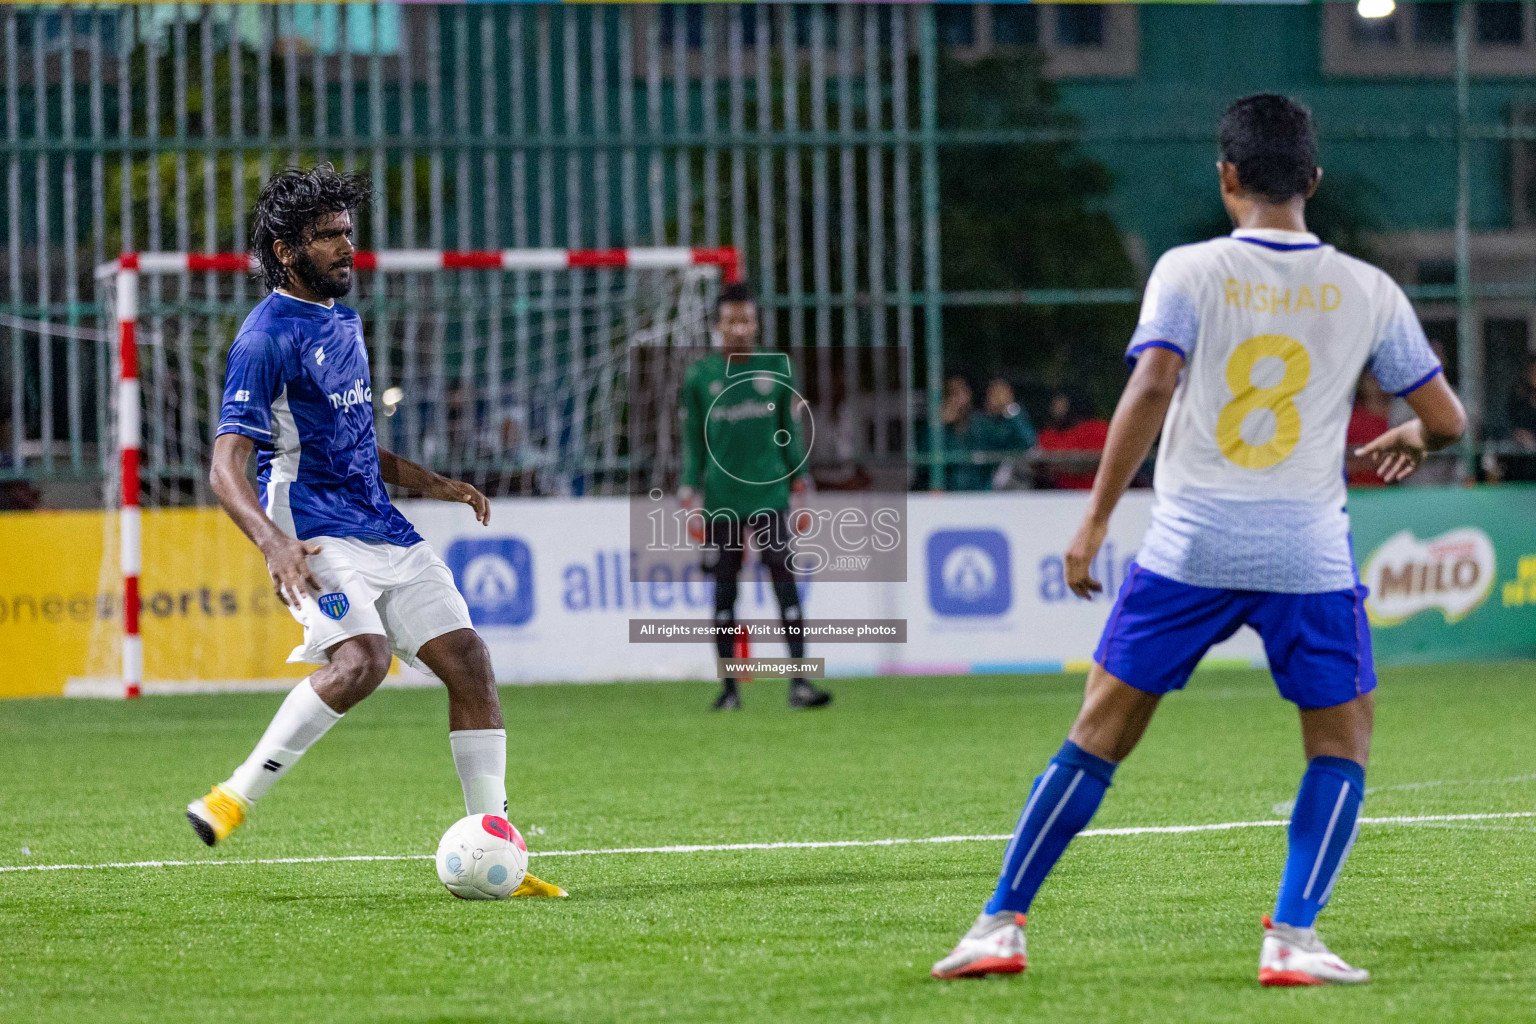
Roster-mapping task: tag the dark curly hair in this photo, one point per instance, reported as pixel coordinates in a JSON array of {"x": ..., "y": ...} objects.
[
  {"x": 292, "y": 202},
  {"x": 1271, "y": 141}
]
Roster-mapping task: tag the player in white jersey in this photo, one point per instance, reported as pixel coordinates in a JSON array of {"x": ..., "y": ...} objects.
[
  {"x": 1246, "y": 358},
  {"x": 350, "y": 567}
]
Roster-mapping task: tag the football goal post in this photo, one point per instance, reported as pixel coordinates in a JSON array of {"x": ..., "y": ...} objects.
[{"x": 507, "y": 368}]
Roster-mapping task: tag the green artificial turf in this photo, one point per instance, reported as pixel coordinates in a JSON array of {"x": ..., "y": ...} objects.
[{"x": 1144, "y": 927}]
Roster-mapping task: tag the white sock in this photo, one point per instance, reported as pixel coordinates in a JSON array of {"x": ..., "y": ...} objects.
[
  {"x": 480, "y": 757},
  {"x": 302, "y": 720}
]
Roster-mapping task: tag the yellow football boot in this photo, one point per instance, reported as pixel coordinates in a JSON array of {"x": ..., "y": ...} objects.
[
  {"x": 534, "y": 887},
  {"x": 218, "y": 814}
]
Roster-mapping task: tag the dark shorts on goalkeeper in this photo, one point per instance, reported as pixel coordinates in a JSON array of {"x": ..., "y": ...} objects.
[
  {"x": 1318, "y": 645},
  {"x": 767, "y": 528}
]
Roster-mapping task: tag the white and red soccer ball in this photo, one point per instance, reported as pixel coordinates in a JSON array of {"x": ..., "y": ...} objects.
[{"x": 482, "y": 857}]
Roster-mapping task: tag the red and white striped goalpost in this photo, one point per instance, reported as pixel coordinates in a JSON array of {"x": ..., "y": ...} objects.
[
  {"x": 125, "y": 271},
  {"x": 129, "y": 431}
]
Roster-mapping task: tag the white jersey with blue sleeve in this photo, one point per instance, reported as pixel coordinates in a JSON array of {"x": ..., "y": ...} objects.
[{"x": 1275, "y": 329}]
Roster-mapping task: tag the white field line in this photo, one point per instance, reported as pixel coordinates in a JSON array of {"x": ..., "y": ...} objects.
[
  {"x": 1434, "y": 783},
  {"x": 1473, "y": 827},
  {"x": 1138, "y": 830},
  {"x": 1285, "y": 806}
]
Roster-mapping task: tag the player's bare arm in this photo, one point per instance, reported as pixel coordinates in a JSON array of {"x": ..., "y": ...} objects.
[
  {"x": 1138, "y": 419},
  {"x": 287, "y": 558},
  {"x": 1440, "y": 423},
  {"x": 402, "y": 472}
]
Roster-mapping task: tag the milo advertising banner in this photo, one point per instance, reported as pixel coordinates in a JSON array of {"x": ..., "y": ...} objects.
[{"x": 1452, "y": 572}]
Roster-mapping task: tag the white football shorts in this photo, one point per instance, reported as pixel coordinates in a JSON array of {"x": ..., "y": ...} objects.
[{"x": 405, "y": 594}]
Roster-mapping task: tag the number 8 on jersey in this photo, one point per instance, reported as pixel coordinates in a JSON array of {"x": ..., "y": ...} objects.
[{"x": 1249, "y": 397}]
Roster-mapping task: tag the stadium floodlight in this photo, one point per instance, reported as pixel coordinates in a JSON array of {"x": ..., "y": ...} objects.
[
  {"x": 1376, "y": 8},
  {"x": 574, "y": 338}
]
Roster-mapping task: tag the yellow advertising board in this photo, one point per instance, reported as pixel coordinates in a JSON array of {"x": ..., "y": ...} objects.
[{"x": 208, "y": 612}]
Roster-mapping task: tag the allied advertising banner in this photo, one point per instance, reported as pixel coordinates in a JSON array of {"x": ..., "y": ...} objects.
[{"x": 552, "y": 586}]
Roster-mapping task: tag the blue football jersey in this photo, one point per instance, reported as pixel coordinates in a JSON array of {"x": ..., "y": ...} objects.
[{"x": 297, "y": 384}]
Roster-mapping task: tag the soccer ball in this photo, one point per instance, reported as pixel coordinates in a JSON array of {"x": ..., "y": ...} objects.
[{"x": 482, "y": 857}]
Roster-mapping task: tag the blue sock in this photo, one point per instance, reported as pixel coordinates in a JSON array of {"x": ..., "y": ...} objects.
[
  {"x": 1323, "y": 827},
  {"x": 1061, "y": 804}
]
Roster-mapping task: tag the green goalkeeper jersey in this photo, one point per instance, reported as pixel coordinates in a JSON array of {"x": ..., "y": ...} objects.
[{"x": 741, "y": 438}]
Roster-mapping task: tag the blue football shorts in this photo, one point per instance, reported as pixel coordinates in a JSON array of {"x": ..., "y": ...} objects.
[{"x": 1318, "y": 645}]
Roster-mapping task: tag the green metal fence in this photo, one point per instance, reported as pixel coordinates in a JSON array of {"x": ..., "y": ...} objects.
[{"x": 807, "y": 136}]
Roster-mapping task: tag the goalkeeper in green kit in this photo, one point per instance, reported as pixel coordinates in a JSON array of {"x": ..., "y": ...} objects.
[{"x": 743, "y": 457}]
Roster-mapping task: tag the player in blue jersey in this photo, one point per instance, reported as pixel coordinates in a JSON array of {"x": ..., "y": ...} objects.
[
  {"x": 348, "y": 565},
  {"x": 1246, "y": 359}
]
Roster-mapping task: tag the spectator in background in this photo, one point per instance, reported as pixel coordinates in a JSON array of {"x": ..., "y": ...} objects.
[
  {"x": 958, "y": 405},
  {"x": 1367, "y": 421},
  {"x": 1071, "y": 431},
  {"x": 971, "y": 436},
  {"x": 1003, "y": 423},
  {"x": 958, "y": 414},
  {"x": 1002, "y": 427}
]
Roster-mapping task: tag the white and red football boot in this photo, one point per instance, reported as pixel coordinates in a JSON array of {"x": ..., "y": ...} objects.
[
  {"x": 1296, "y": 956},
  {"x": 994, "y": 945}
]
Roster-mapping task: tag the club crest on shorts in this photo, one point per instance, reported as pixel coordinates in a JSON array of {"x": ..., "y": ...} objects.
[{"x": 334, "y": 605}]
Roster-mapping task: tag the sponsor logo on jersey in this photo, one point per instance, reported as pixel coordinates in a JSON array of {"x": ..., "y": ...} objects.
[
  {"x": 968, "y": 573},
  {"x": 320, "y": 356},
  {"x": 358, "y": 394},
  {"x": 334, "y": 605},
  {"x": 741, "y": 411},
  {"x": 1453, "y": 573},
  {"x": 495, "y": 575}
]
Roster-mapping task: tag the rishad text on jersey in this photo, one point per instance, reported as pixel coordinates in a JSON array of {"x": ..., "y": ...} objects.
[{"x": 1265, "y": 298}]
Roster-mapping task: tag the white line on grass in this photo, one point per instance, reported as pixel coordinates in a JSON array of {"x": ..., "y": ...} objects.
[
  {"x": 1452, "y": 782},
  {"x": 1483, "y": 828},
  {"x": 1137, "y": 830},
  {"x": 1285, "y": 806}
]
